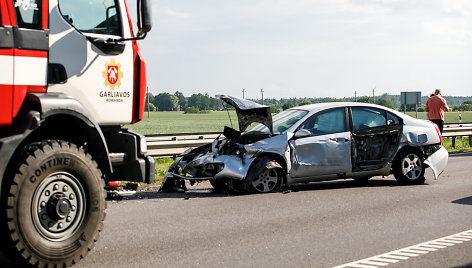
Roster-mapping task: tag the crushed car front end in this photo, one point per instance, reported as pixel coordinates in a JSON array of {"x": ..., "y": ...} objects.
[{"x": 229, "y": 157}]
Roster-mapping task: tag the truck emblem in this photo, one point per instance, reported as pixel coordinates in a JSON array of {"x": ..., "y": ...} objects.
[{"x": 112, "y": 74}]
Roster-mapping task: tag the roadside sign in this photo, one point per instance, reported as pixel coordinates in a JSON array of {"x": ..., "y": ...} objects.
[{"x": 413, "y": 97}]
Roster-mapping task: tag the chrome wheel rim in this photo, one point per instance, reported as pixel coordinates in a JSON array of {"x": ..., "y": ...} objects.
[
  {"x": 412, "y": 167},
  {"x": 266, "y": 181}
]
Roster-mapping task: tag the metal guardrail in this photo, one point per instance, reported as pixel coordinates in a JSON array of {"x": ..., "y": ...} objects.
[
  {"x": 170, "y": 145},
  {"x": 454, "y": 131},
  {"x": 175, "y": 144}
]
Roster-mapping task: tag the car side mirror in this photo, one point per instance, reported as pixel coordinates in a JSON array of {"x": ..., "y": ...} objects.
[{"x": 302, "y": 133}]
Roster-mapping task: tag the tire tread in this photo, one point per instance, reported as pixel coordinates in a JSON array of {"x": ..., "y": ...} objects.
[{"x": 29, "y": 154}]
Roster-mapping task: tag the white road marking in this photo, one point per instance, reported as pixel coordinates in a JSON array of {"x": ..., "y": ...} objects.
[{"x": 409, "y": 252}]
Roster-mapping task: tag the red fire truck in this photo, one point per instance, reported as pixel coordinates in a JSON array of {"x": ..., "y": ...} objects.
[{"x": 71, "y": 74}]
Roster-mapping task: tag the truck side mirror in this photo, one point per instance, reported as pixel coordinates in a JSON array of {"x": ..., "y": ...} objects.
[{"x": 144, "y": 17}]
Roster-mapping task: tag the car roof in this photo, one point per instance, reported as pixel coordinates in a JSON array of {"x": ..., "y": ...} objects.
[
  {"x": 317, "y": 107},
  {"x": 328, "y": 105}
]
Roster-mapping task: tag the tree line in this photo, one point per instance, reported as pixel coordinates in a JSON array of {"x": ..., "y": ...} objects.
[{"x": 203, "y": 102}]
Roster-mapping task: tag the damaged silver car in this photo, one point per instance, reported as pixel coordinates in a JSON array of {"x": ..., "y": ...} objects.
[{"x": 317, "y": 142}]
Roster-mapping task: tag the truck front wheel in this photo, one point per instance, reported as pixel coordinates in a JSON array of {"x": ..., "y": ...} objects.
[{"x": 56, "y": 205}]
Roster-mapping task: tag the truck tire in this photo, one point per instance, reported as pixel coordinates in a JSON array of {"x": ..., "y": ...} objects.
[{"x": 55, "y": 207}]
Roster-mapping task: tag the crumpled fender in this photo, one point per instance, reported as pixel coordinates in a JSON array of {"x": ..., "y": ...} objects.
[{"x": 438, "y": 161}]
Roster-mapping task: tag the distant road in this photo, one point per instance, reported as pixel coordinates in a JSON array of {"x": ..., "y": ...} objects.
[{"x": 319, "y": 225}]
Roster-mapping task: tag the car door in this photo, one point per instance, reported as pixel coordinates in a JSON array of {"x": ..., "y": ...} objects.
[
  {"x": 327, "y": 150},
  {"x": 376, "y": 135}
]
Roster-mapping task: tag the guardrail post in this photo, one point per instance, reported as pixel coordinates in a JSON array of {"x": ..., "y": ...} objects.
[
  {"x": 453, "y": 142},
  {"x": 470, "y": 141}
]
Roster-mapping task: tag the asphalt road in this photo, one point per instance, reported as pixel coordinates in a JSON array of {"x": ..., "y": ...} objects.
[{"x": 316, "y": 225}]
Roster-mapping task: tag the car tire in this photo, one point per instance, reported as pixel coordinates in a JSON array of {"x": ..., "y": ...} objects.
[
  {"x": 408, "y": 168},
  {"x": 264, "y": 176},
  {"x": 56, "y": 205}
]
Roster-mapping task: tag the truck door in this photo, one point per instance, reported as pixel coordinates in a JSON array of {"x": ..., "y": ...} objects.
[
  {"x": 98, "y": 67},
  {"x": 23, "y": 54},
  {"x": 6, "y": 65},
  {"x": 327, "y": 150}
]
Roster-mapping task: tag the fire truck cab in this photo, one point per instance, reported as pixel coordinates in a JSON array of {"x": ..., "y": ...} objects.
[{"x": 71, "y": 74}]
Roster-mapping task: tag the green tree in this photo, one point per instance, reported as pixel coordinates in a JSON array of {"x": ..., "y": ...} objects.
[
  {"x": 182, "y": 100},
  {"x": 274, "y": 109},
  {"x": 151, "y": 97},
  {"x": 152, "y": 107},
  {"x": 192, "y": 110},
  {"x": 385, "y": 102},
  {"x": 166, "y": 102},
  {"x": 365, "y": 100},
  {"x": 200, "y": 101},
  {"x": 287, "y": 105}
]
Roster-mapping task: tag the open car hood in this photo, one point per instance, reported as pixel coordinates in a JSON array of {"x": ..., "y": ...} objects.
[{"x": 249, "y": 112}]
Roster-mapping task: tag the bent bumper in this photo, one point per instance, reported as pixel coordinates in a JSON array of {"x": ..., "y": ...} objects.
[
  {"x": 170, "y": 175},
  {"x": 438, "y": 161}
]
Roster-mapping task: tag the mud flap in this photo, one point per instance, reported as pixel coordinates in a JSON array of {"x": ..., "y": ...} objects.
[{"x": 438, "y": 161}]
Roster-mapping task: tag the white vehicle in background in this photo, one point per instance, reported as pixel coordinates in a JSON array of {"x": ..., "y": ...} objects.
[{"x": 316, "y": 142}]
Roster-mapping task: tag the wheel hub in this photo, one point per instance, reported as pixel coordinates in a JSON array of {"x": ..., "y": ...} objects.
[
  {"x": 411, "y": 167},
  {"x": 58, "y": 206},
  {"x": 266, "y": 181}
]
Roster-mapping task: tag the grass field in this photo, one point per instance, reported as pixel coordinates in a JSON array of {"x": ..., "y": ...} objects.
[
  {"x": 450, "y": 117},
  {"x": 178, "y": 122}
]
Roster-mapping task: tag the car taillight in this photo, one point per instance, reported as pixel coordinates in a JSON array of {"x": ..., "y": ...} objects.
[{"x": 438, "y": 131}]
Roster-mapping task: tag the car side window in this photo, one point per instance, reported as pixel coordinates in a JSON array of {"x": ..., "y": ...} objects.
[
  {"x": 328, "y": 122},
  {"x": 28, "y": 14},
  {"x": 92, "y": 16},
  {"x": 392, "y": 120},
  {"x": 366, "y": 117}
]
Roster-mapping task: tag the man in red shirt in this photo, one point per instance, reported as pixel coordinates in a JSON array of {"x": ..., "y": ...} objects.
[{"x": 435, "y": 106}]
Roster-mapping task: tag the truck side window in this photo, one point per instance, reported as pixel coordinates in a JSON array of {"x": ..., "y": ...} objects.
[
  {"x": 93, "y": 16},
  {"x": 28, "y": 14}
]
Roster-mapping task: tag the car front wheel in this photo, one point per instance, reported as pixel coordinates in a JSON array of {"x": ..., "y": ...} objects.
[
  {"x": 409, "y": 169},
  {"x": 264, "y": 176}
]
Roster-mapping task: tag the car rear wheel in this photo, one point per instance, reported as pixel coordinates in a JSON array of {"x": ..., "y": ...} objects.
[
  {"x": 264, "y": 176},
  {"x": 408, "y": 168}
]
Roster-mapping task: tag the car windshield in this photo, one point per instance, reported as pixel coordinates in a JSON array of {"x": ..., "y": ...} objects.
[{"x": 281, "y": 122}]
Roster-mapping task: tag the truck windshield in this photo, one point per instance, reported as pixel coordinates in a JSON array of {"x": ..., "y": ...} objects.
[{"x": 93, "y": 16}]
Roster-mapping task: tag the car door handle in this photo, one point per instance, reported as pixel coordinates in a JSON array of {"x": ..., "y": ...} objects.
[{"x": 339, "y": 139}]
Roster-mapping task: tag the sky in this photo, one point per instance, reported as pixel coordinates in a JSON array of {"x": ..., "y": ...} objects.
[{"x": 309, "y": 48}]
